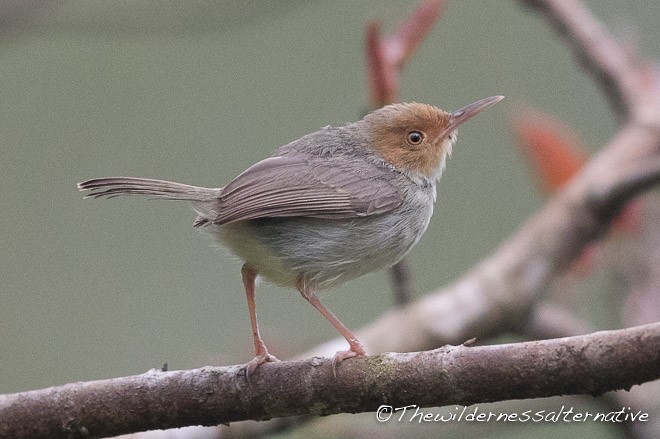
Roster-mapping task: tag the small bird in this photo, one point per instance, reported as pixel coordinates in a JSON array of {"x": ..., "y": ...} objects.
[{"x": 329, "y": 207}]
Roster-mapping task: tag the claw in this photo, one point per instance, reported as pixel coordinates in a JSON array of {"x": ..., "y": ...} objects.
[
  {"x": 252, "y": 365},
  {"x": 356, "y": 350}
]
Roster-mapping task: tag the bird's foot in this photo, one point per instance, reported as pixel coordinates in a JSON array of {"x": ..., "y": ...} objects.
[
  {"x": 356, "y": 350},
  {"x": 253, "y": 364}
]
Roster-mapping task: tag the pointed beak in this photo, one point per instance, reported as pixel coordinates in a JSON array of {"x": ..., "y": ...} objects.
[{"x": 457, "y": 117}]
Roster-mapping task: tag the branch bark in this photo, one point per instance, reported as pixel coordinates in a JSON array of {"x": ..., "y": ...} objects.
[{"x": 588, "y": 364}]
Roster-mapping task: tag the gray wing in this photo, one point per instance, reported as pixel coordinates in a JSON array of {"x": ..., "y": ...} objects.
[{"x": 307, "y": 186}]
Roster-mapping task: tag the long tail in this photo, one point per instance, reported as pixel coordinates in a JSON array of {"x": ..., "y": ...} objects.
[
  {"x": 203, "y": 199},
  {"x": 114, "y": 186}
]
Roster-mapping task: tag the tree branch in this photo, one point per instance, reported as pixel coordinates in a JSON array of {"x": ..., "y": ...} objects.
[
  {"x": 588, "y": 364},
  {"x": 623, "y": 75}
]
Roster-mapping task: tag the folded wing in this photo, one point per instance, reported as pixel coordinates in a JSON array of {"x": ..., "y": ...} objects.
[{"x": 307, "y": 186}]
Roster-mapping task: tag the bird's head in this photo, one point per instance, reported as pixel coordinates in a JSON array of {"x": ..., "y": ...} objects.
[{"x": 418, "y": 138}]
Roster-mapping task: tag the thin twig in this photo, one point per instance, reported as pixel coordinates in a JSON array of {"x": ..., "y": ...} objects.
[
  {"x": 401, "y": 283},
  {"x": 386, "y": 58}
]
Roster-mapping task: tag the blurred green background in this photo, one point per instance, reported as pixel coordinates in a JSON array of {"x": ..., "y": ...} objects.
[{"x": 196, "y": 92}]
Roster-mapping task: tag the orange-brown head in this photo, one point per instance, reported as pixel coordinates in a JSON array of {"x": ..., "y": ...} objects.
[{"x": 416, "y": 137}]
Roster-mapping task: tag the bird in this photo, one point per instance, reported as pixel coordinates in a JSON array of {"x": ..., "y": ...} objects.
[{"x": 326, "y": 208}]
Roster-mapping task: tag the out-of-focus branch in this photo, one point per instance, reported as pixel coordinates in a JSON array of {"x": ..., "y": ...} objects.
[
  {"x": 401, "y": 279},
  {"x": 548, "y": 320},
  {"x": 625, "y": 77},
  {"x": 449, "y": 375}
]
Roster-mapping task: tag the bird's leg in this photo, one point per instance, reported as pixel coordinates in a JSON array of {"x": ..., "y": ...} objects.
[
  {"x": 356, "y": 348},
  {"x": 260, "y": 351}
]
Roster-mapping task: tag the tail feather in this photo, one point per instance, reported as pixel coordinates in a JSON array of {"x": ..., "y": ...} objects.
[{"x": 115, "y": 186}]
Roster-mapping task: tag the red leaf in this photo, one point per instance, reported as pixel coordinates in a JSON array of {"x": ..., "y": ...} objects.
[{"x": 551, "y": 148}]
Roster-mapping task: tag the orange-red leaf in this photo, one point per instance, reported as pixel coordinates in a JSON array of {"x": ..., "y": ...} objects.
[{"x": 551, "y": 147}]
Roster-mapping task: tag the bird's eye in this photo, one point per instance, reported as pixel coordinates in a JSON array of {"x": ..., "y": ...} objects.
[{"x": 414, "y": 137}]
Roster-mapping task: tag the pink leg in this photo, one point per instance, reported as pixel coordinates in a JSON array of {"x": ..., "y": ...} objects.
[
  {"x": 260, "y": 350},
  {"x": 356, "y": 348}
]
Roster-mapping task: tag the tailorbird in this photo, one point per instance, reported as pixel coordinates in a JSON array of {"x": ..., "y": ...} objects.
[{"x": 326, "y": 208}]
